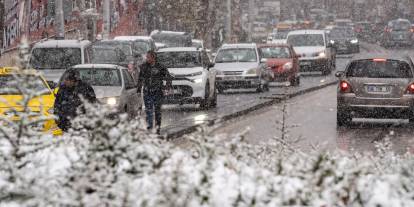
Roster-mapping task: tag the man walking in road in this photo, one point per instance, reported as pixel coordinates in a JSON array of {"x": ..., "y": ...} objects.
[
  {"x": 151, "y": 77},
  {"x": 69, "y": 99}
]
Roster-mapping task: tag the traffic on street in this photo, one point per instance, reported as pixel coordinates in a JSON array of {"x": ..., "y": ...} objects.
[{"x": 207, "y": 103}]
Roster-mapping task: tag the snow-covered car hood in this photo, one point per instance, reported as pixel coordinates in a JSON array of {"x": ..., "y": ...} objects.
[
  {"x": 184, "y": 71},
  {"x": 308, "y": 51},
  {"x": 52, "y": 74},
  {"x": 235, "y": 66},
  {"x": 107, "y": 91}
]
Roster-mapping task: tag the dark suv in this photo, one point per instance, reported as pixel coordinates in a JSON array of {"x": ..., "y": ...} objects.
[{"x": 398, "y": 33}]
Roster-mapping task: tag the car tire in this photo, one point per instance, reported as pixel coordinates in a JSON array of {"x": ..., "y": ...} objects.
[
  {"x": 343, "y": 119},
  {"x": 295, "y": 81},
  {"x": 327, "y": 69},
  {"x": 205, "y": 103},
  {"x": 213, "y": 103}
]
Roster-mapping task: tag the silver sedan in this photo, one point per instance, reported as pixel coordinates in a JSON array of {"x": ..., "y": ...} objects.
[
  {"x": 376, "y": 86},
  {"x": 113, "y": 85}
]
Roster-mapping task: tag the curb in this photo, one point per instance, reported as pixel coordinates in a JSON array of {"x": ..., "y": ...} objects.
[{"x": 240, "y": 113}]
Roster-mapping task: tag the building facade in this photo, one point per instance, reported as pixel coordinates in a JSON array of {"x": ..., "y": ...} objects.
[{"x": 35, "y": 19}]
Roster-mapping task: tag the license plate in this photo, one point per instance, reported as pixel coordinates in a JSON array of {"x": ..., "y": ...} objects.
[
  {"x": 378, "y": 89},
  {"x": 305, "y": 63},
  {"x": 177, "y": 91},
  {"x": 230, "y": 78}
]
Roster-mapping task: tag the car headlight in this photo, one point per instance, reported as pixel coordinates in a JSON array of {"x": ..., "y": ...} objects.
[
  {"x": 354, "y": 41},
  {"x": 322, "y": 55},
  {"x": 252, "y": 71},
  {"x": 288, "y": 66},
  {"x": 112, "y": 101},
  {"x": 332, "y": 41},
  {"x": 195, "y": 74},
  {"x": 198, "y": 80}
]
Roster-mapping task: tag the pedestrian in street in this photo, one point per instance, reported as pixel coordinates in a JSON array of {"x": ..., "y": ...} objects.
[
  {"x": 151, "y": 77},
  {"x": 69, "y": 99}
]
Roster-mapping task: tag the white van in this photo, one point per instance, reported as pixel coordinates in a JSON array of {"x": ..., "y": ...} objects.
[{"x": 53, "y": 57}]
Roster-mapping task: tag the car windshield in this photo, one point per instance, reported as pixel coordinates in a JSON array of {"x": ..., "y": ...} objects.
[
  {"x": 197, "y": 44},
  {"x": 400, "y": 25},
  {"x": 281, "y": 35},
  {"x": 304, "y": 40},
  {"x": 100, "y": 76},
  {"x": 55, "y": 58},
  {"x": 342, "y": 33},
  {"x": 125, "y": 46},
  {"x": 106, "y": 55},
  {"x": 236, "y": 55},
  {"x": 10, "y": 86},
  {"x": 275, "y": 52},
  {"x": 379, "y": 69},
  {"x": 180, "y": 59},
  {"x": 141, "y": 47}
]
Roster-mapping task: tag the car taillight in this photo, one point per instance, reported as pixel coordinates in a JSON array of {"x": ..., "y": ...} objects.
[
  {"x": 345, "y": 87},
  {"x": 410, "y": 89}
]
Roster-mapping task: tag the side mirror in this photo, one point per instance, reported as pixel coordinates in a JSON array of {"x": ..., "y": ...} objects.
[
  {"x": 52, "y": 84},
  {"x": 263, "y": 60},
  {"x": 339, "y": 74}
]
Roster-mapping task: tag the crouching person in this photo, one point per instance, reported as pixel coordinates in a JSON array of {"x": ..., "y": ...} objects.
[{"x": 70, "y": 98}]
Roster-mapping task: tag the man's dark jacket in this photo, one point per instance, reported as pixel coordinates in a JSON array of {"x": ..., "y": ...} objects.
[
  {"x": 69, "y": 99},
  {"x": 151, "y": 77}
]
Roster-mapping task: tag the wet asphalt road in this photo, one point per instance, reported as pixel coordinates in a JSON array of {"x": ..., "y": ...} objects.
[{"x": 311, "y": 122}]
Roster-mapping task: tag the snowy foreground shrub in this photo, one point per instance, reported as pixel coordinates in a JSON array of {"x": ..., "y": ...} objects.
[
  {"x": 115, "y": 162},
  {"x": 108, "y": 161}
]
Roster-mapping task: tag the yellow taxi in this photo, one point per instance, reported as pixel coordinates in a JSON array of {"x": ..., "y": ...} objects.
[{"x": 12, "y": 101}]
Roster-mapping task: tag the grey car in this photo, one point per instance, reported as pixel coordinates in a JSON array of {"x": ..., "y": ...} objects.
[
  {"x": 113, "y": 86},
  {"x": 398, "y": 33},
  {"x": 376, "y": 86}
]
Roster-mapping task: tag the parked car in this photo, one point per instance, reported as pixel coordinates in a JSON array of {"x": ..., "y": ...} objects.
[
  {"x": 11, "y": 98},
  {"x": 113, "y": 86},
  {"x": 172, "y": 39},
  {"x": 315, "y": 50},
  {"x": 238, "y": 66},
  {"x": 376, "y": 86},
  {"x": 53, "y": 57},
  {"x": 398, "y": 33},
  {"x": 282, "y": 62},
  {"x": 344, "y": 40},
  {"x": 195, "y": 77}
]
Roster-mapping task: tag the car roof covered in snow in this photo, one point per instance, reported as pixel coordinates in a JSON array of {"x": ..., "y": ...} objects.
[
  {"x": 239, "y": 45},
  {"x": 179, "y": 49},
  {"x": 391, "y": 56},
  {"x": 133, "y": 38},
  {"x": 62, "y": 43},
  {"x": 98, "y": 66},
  {"x": 301, "y": 32}
]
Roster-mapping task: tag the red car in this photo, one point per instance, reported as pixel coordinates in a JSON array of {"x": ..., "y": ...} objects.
[{"x": 282, "y": 62}]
